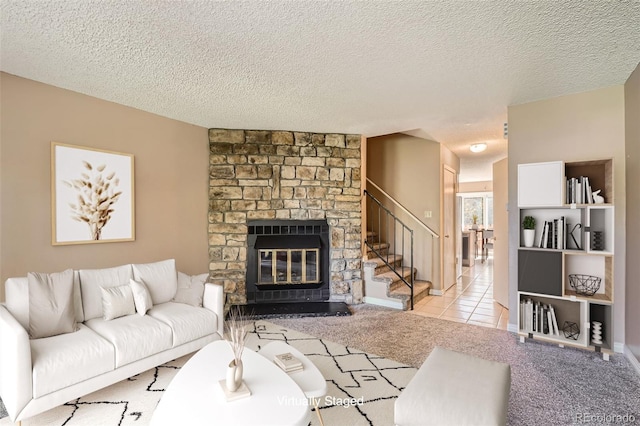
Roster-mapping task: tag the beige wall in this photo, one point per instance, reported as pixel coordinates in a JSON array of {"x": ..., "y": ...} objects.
[
  {"x": 483, "y": 186},
  {"x": 584, "y": 126},
  {"x": 632, "y": 127},
  {"x": 171, "y": 180},
  {"x": 410, "y": 169}
]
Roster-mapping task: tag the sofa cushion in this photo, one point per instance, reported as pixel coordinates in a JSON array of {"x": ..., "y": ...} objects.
[
  {"x": 17, "y": 299},
  {"x": 133, "y": 336},
  {"x": 190, "y": 289},
  {"x": 66, "y": 359},
  {"x": 117, "y": 302},
  {"x": 161, "y": 279},
  {"x": 92, "y": 280},
  {"x": 141, "y": 296},
  {"x": 187, "y": 322},
  {"x": 51, "y": 310}
]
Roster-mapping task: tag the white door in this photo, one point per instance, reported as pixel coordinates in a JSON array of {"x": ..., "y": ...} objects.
[
  {"x": 500, "y": 233},
  {"x": 449, "y": 229}
]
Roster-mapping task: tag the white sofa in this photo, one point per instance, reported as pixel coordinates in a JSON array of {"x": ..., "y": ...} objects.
[{"x": 37, "y": 374}]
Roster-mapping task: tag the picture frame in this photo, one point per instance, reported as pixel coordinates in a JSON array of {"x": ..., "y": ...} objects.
[{"x": 92, "y": 195}]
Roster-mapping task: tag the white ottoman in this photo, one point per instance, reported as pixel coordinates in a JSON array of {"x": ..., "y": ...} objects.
[{"x": 452, "y": 388}]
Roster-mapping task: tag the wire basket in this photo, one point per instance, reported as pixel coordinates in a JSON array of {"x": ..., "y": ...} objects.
[{"x": 586, "y": 285}]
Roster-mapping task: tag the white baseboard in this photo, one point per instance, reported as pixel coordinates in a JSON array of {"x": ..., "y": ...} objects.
[
  {"x": 512, "y": 328},
  {"x": 618, "y": 347},
  {"x": 632, "y": 359},
  {"x": 382, "y": 302},
  {"x": 435, "y": 292}
]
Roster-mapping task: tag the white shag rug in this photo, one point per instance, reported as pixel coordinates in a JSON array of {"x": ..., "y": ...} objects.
[{"x": 369, "y": 384}]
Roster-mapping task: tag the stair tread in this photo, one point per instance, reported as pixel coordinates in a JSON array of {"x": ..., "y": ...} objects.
[
  {"x": 393, "y": 276},
  {"x": 418, "y": 288},
  {"x": 378, "y": 245},
  {"x": 391, "y": 258}
]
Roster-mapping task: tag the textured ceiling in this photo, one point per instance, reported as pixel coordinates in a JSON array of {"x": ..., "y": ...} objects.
[{"x": 441, "y": 70}]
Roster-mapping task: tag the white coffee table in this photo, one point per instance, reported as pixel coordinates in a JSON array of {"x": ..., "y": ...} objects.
[
  {"x": 310, "y": 379},
  {"x": 194, "y": 396}
]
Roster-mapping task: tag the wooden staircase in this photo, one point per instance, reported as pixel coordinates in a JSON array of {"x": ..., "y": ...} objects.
[{"x": 382, "y": 286}]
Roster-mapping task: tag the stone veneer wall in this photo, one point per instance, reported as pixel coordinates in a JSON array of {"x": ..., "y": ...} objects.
[{"x": 284, "y": 175}]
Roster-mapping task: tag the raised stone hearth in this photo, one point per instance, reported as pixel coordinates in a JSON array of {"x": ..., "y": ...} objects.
[{"x": 291, "y": 176}]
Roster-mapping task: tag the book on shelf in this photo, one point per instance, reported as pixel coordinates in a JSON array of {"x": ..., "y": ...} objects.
[
  {"x": 554, "y": 234},
  {"x": 288, "y": 362},
  {"x": 578, "y": 191},
  {"x": 538, "y": 317},
  {"x": 543, "y": 235},
  {"x": 554, "y": 320}
]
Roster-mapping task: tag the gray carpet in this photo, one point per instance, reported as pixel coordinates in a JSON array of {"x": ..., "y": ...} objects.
[{"x": 550, "y": 385}]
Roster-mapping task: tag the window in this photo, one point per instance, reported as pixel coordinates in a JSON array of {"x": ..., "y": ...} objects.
[
  {"x": 473, "y": 211},
  {"x": 478, "y": 206}
]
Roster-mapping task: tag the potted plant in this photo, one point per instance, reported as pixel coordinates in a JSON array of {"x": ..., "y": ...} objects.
[
  {"x": 475, "y": 221},
  {"x": 529, "y": 226}
]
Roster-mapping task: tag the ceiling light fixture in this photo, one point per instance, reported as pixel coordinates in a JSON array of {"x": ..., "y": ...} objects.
[{"x": 478, "y": 147}]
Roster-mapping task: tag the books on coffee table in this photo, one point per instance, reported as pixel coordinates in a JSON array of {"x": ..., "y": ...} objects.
[{"x": 288, "y": 362}]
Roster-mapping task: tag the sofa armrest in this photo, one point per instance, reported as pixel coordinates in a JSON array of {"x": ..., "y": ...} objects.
[
  {"x": 15, "y": 364},
  {"x": 213, "y": 299}
]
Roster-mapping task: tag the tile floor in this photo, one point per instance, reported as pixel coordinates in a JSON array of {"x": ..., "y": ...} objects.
[{"x": 469, "y": 301}]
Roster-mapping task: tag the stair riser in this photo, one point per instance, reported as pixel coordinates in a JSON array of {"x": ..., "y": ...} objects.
[
  {"x": 420, "y": 293},
  {"x": 384, "y": 268},
  {"x": 372, "y": 255},
  {"x": 406, "y": 304},
  {"x": 419, "y": 297},
  {"x": 397, "y": 282}
]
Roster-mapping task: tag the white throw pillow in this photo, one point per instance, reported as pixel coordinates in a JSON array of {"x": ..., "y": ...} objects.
[
  {"x": 51, "y": 307},
  {"x": 117, "y": 302},
  {"x": 91, "y": 280},
  {"x": 141, "y": 296},
  {"x": 161, "y": 279},
  {"x": 190, "y": 289}
]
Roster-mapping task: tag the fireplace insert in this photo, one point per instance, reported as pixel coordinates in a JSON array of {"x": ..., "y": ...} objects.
[{"x": 287, "y": 261}]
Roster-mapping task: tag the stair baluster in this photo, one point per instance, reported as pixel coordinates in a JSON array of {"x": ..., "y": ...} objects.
[{"x": 376, "y": 207}]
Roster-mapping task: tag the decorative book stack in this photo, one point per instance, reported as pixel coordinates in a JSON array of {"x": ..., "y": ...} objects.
[{"x": 288, "y": 362}]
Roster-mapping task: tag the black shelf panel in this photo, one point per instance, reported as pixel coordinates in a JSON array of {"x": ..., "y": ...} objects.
[{"x": 540, "y": 272}]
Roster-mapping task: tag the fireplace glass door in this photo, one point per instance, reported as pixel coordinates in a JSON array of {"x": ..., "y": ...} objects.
[{"x": 288, "y": 266}]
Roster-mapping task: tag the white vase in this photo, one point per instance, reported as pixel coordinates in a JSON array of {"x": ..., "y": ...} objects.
[
  {"x": 234, "y": 375},
  {"x": 529, "y": 236}
]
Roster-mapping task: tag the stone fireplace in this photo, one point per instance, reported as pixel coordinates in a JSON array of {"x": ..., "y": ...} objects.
[{"x": 269, "y": 192}]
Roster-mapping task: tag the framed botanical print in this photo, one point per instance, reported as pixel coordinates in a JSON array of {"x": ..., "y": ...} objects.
[{"x": 92, "y": 195}]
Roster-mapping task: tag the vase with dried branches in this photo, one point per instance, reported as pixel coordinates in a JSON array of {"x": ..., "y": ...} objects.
[
  {"x": 97, "y": 194},
  {"x": 236, "y": 336}
]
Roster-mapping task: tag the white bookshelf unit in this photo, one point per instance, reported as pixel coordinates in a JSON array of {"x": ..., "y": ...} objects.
[{"x": 576, "y": 247}]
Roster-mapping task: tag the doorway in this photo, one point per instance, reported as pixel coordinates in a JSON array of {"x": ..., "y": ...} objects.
[{"x": 449, "y": 257}]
